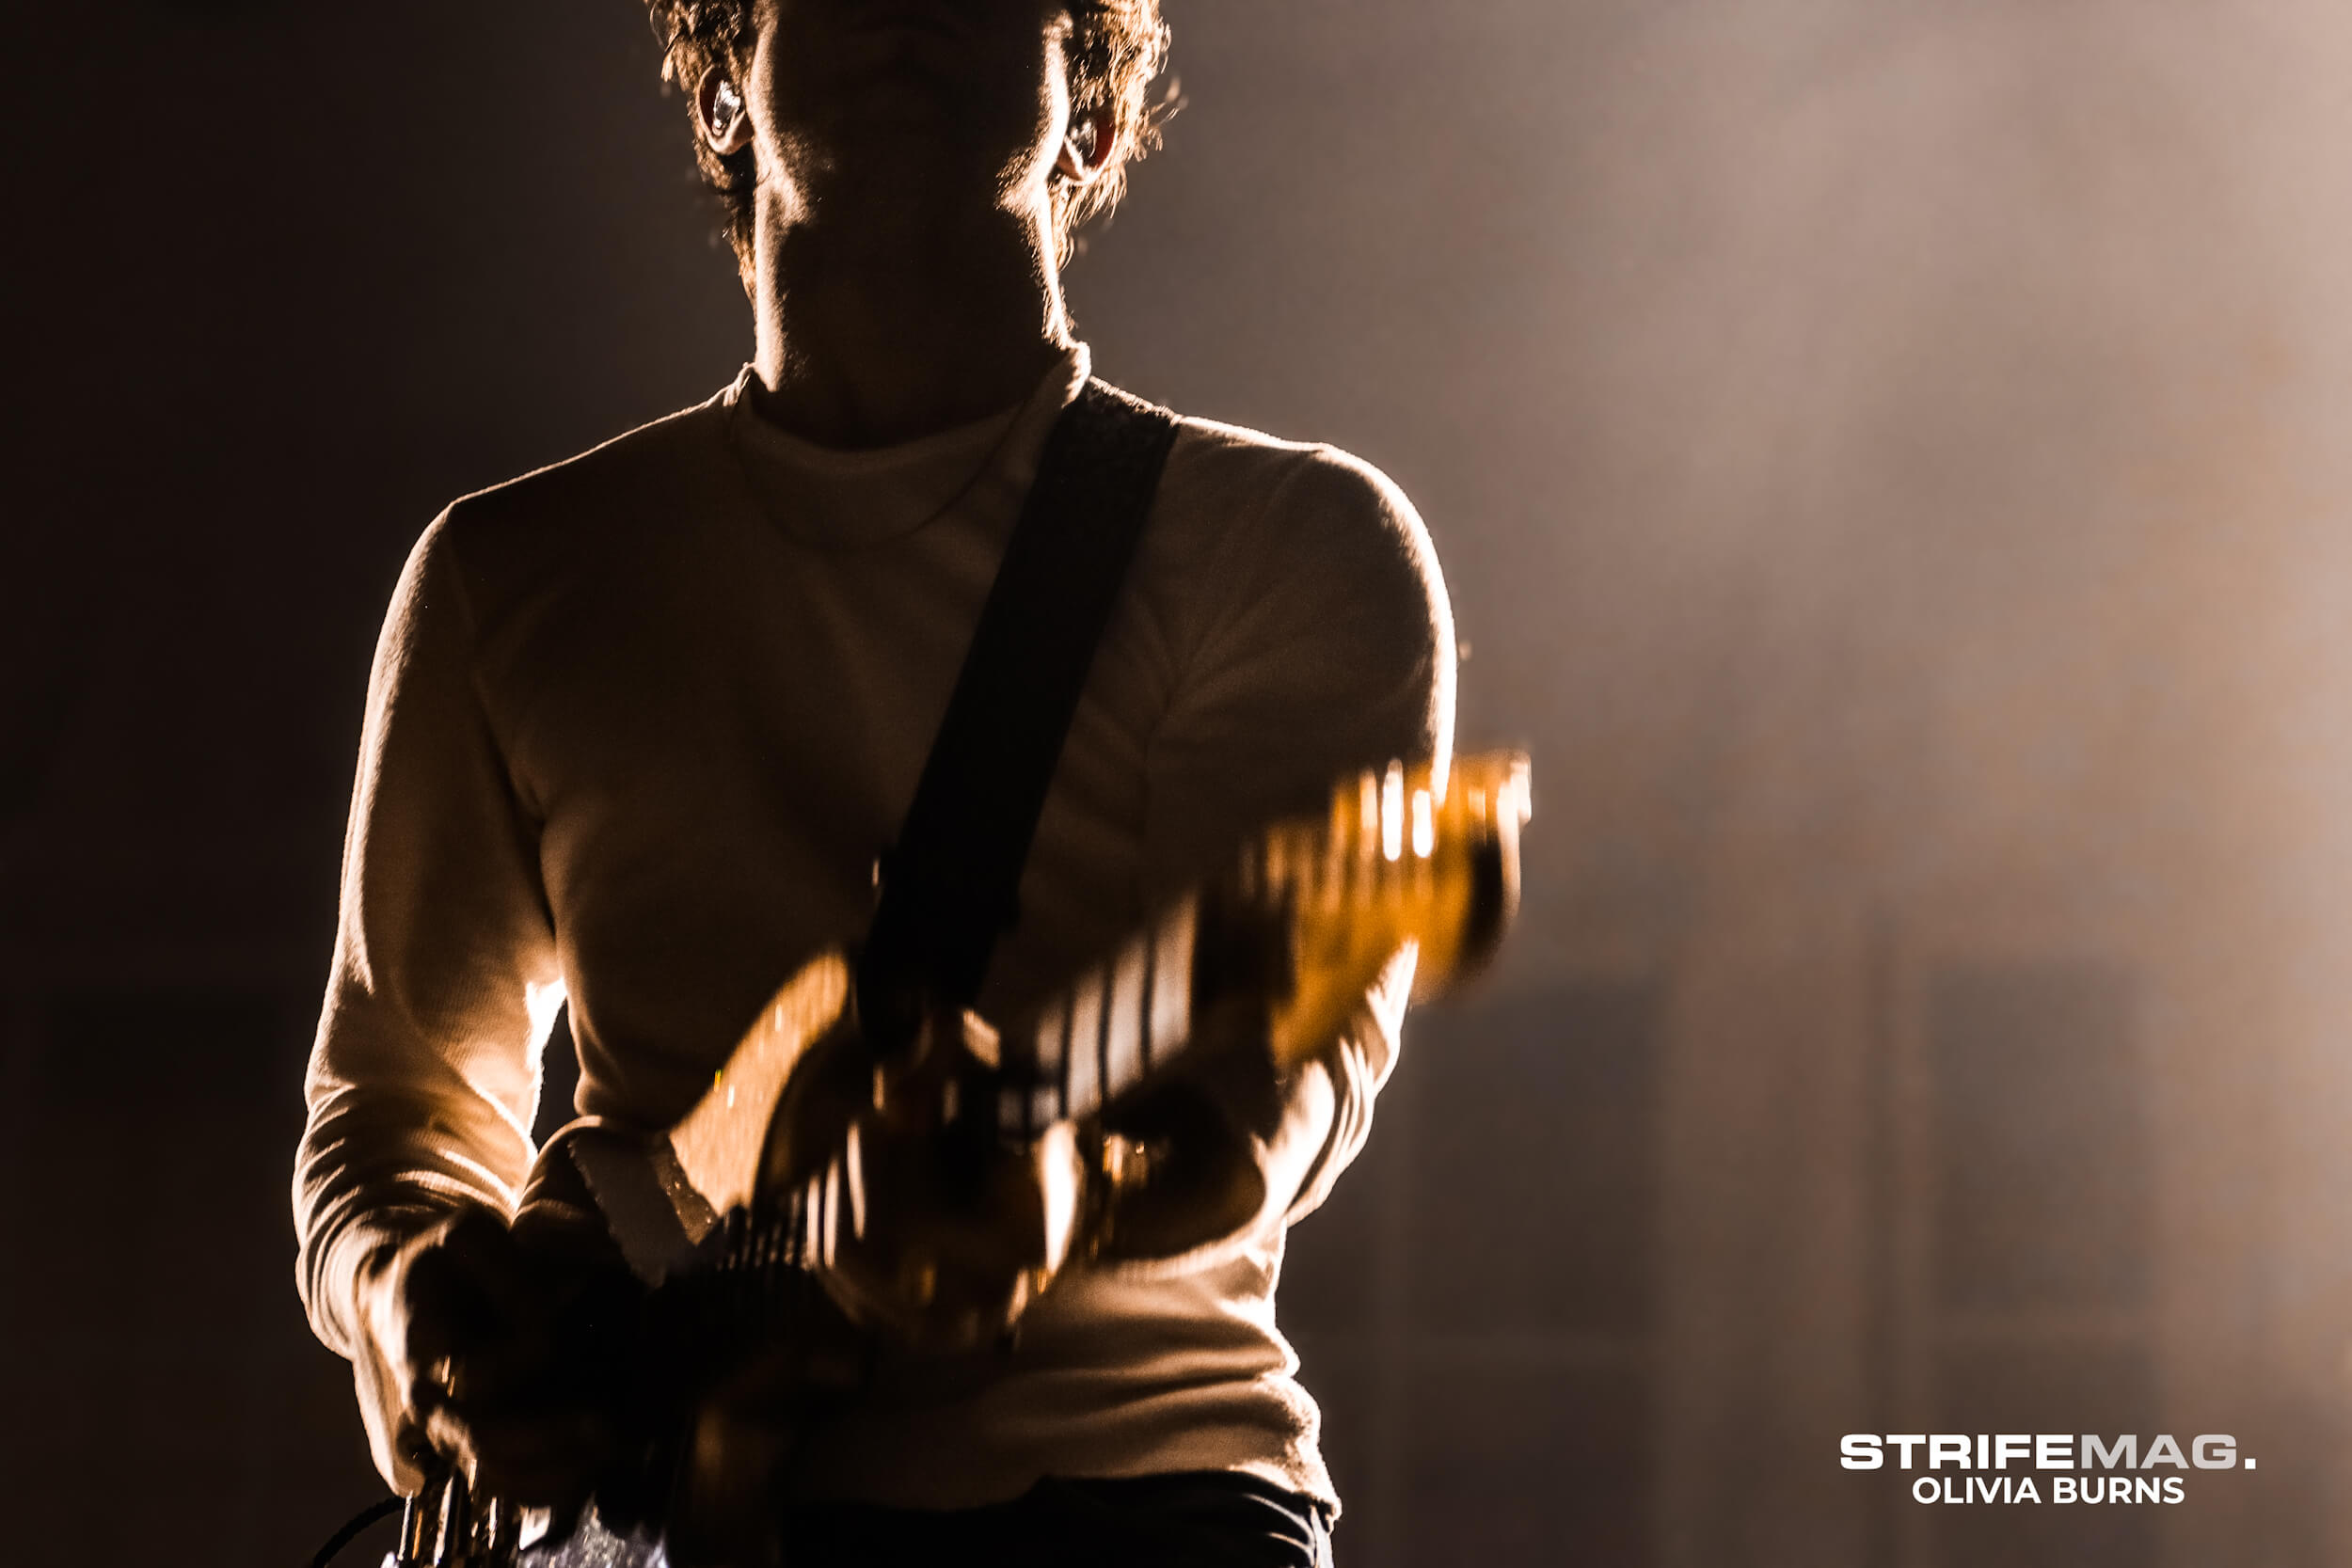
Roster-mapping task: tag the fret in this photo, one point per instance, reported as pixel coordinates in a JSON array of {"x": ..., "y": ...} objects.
[
  {"x": 1083, "y": 1072},
  {"x": 1040, "y": 1094},
  {"x": 1124, "y": 1052},
  {"x": 1170, "y": 988},
  {"x": 1053, "y": 1052}
]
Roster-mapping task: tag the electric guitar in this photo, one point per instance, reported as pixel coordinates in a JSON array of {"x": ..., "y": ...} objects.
[{"x": 818, "y": 1201}]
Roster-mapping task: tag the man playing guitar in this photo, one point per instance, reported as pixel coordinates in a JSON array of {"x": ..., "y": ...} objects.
[{"x": 640, "y": 723}]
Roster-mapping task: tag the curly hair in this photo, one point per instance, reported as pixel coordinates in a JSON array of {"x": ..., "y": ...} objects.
[{"x": 1115, "y": 52}]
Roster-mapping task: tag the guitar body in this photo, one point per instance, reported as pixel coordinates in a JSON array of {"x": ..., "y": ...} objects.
[{"x": 591, "y": 1546}]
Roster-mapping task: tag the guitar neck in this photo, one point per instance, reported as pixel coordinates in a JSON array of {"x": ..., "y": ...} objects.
[{"x": 1299, "y": 930}]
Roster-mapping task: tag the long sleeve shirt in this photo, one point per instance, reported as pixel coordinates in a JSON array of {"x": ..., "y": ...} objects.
[{"x": 638, "y": 724}]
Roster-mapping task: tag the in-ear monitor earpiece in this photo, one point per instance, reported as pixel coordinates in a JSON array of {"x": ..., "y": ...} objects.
[{"x": 726, "y": 103}]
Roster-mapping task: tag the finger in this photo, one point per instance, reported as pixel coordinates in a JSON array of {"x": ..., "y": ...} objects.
[
  {"x": 474, "y": 1314},
  {"x": 440, "y": 1313},
  {"x": 482, "y": 1247},
  {"x": 448, "y": 1309},
  {"x": 447, "y": 1429},
  {"x": 511, "y": 1371},
  {"x": 536, "y": 1456},
  {"x": 542, "y": 1459}
]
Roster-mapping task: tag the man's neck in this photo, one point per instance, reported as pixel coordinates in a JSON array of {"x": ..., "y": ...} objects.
[{"x": 878, "y": 328}]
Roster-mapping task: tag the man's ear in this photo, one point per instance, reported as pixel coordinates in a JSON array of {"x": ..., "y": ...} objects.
[
  {"x": 720, "y": 114},
  {"x": 1086, "y": 150}
]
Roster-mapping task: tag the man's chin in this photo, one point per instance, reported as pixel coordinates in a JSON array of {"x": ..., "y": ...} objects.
[{"x": 906, "y": 133}]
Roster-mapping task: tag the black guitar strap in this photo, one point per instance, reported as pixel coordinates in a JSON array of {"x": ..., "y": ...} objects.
[{"x": 948, "y": 890}]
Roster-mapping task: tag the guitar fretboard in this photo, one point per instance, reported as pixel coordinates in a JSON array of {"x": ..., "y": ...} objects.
[{"x": 1103, "y": 1033}]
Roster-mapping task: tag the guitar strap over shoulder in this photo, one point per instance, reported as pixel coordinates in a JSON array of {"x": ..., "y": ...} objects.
[{"x": 949, "y": 887}]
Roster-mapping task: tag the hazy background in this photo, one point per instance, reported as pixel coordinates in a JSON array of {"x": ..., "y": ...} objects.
[{"x": 1890, "y": 459}]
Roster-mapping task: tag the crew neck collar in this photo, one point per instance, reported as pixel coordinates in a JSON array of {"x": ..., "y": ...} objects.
[{"x": 837, "y": 498}]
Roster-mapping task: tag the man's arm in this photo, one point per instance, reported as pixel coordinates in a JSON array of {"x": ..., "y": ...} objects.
[
  {"x": 424, "y": 1077},
  {"x": 1330, "y": 649}
]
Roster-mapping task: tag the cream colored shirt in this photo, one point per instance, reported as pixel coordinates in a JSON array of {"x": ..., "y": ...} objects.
[{"x": 638, "y": 724}]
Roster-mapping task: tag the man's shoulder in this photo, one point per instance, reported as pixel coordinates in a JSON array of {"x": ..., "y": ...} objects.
[
  {"x": 1305, "y": 505},
  {"x": 1235, "y": 456},
  {"x": 617, "y": 477}
]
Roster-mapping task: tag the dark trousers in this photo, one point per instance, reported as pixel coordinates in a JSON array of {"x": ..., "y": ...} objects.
[{"x": 1201, "y": 1519}]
